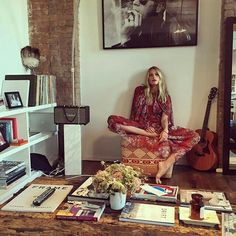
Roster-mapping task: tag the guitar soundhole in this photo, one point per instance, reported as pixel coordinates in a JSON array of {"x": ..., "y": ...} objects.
[{"x": 202, "y": 148}]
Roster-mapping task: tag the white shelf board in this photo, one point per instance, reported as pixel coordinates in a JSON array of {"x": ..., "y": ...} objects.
[{"x": 15, "y": 111}]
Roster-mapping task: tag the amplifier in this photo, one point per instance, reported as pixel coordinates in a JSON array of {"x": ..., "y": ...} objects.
[{"x": 71, "y": 115}]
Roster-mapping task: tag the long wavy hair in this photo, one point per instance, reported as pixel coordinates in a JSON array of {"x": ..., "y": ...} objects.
[{"x": 162, "y": 91}]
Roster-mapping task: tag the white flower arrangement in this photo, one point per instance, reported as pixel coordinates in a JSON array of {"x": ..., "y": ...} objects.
[{"x": 117, "y": 177}]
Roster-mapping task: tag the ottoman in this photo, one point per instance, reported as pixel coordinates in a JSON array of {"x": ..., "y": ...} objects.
[{"x": 142, "y": 158}]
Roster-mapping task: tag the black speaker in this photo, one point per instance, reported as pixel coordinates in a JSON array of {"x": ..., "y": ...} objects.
[{"x": 71, "y": 115}]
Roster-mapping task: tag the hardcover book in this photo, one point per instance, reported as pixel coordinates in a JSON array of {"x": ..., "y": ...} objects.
[
  {"x": 81, "y": 211},
  {"x": 157, "y": 192},
  {"x": 212, "y": 200},
  {"x": 23, "y": 201},
  {"x": 210, "y": 217},
  {"x": 228, "y": 224},
  {"x": 14, "y": 125},
  {"x": 148, "y": 214},
  {"x": 86, "y": 192}
]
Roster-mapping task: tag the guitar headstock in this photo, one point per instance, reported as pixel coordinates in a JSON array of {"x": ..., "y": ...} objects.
[{"x": 213, "y": 93}]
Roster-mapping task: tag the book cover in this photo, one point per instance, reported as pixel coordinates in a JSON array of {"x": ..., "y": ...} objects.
[
  {"x": 7, "y": 130},
  {"x": 228, "y": 224},
  {"x": 14, "y": 125},
  {"x": 157, "y": 192},
  {"x": 86, "y": 192},
  {"x": 212, "y": 200},
  {"x": 148, "y": 214},
  {"x": 81, "y": 211},
  {"x": 23, "y": 201},
  {"x": 210, "y": 217}
]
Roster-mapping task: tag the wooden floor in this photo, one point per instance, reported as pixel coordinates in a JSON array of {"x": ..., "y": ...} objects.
[{"x": 184, "y": 177}]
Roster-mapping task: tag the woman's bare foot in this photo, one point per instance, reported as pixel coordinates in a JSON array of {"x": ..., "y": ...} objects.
[{"x": 162, "y": 169}]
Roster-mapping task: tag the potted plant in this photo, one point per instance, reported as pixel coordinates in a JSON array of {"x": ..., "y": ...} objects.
[{"x": 117, "y": 179}]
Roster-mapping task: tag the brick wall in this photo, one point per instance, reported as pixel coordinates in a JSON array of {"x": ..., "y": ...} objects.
[{"x": 50, "y": 29}]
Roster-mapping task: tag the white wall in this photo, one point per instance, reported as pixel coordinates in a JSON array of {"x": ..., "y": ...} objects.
[
  {"x": 108, "y": 77},
  {"x": 14, "y": 36}
]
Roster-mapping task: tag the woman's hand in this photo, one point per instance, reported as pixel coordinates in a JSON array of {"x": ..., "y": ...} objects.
[
  {"x": 163, "y": 136},
  {"x": 151, "y": 132}
]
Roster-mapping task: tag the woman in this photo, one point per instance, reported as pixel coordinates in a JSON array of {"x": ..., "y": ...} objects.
[{"x": 151, "y": 116}]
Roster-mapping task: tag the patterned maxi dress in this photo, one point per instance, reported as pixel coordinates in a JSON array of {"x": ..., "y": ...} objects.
[{"x": 180, "y": 140}]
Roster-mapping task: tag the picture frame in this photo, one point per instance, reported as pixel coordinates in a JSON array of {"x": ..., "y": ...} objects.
[
  {"x": 150, "y": 23},
  {"x": 13, "y": 99}
]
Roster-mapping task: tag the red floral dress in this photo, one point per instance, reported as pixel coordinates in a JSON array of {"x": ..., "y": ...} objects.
[{"x": 180, "y": 140}]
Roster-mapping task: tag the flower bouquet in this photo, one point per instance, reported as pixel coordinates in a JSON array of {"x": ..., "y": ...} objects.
[{"x": 117, "y": 177}]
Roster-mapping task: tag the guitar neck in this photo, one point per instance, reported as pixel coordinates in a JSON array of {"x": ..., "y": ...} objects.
[{"x": 206, "y": 118}]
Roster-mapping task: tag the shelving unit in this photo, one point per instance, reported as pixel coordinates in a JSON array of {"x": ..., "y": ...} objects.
[{"x": 22, "y": 153}]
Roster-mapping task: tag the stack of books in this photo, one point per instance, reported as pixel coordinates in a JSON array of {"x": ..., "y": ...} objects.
[
  {"x": 213, "y": 200},
  {"x": 148, "y": 214},
  {"x": 157, "y": 192},
  {"x": 81, "y": 211},
  {"x": 10, "y": 171}
]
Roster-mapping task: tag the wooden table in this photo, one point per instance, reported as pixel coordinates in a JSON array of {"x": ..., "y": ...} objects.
[{"x": 18, "y": 223}]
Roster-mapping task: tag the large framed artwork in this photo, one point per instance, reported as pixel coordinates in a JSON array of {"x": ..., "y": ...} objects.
[{"x": 149, "y": 23}]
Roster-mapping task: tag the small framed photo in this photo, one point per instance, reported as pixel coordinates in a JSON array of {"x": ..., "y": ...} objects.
[{"x": 13, "y": 99}]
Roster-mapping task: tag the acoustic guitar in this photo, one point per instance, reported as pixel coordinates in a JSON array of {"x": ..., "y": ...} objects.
[{"x": 203, "y": 156}]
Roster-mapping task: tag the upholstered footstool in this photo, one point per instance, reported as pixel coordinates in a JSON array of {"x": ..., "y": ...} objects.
[{"x": 142, "y": 158}]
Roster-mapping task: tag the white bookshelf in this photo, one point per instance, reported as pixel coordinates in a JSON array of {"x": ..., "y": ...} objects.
[{"x": 22, "y": 153}]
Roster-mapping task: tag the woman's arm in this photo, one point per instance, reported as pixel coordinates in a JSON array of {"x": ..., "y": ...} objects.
[
  {"x": 164, "y": 125},
  {"x": 164, "y": 122}
]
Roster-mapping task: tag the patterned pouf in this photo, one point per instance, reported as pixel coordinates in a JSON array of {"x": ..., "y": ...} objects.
[{"x": 142, "y": 158}]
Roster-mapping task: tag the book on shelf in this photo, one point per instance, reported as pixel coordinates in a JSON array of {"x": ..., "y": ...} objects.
[
  {"x": 23, "y": 201},
  {"x": 210, "y": 217},
  {"x": 148, "y": 214},
  {"x": 14, "y": 125},
  {"x": 6, "y": 129},
  {"x": 157, "y": 192},
  {"x": 7, "y": 179},
  {"x": 85, "y": 192},
  {"x": 4, "y": 183},
  {"x": 81, "y": 211},
  {"x": 213, "y": 200},
  {"x": 228, "y": 224},
  {"x": 8, "y": 166}
]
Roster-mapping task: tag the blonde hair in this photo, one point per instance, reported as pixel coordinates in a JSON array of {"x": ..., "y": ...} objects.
[{"x": 161, "y": 86}]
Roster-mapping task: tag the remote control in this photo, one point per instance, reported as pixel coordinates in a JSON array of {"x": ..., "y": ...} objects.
[{"x": 43, "y": 196}]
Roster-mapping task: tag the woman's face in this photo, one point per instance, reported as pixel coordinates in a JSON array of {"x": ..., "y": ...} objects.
[{"x": 153, "y": 78}]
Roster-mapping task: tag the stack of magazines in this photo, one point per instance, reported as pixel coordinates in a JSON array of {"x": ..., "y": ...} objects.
[{"x": 10, "y": 171}]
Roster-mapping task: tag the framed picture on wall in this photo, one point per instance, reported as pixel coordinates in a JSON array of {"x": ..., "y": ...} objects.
[{"x": 149, "y": 23}]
